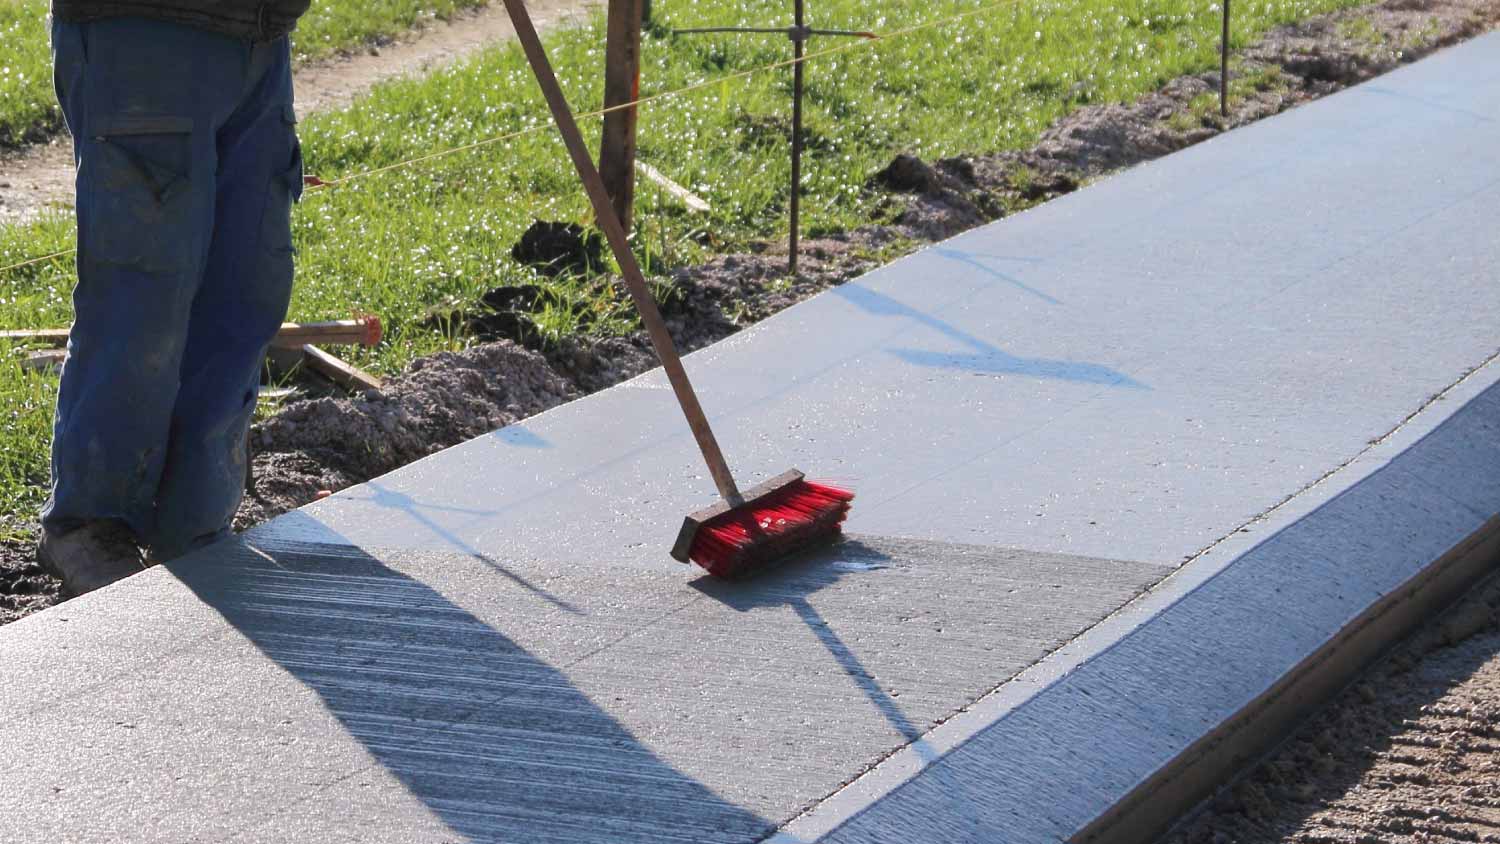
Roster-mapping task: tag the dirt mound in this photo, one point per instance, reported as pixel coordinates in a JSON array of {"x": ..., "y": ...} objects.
[
  {"x": 440, "y": 401},
  {"x": 554, "y": 248},
  {"x": 443, "y": 400},
  {"x": 24, "y": 589}
]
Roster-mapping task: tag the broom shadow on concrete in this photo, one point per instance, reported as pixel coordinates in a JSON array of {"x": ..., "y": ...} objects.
[{"x": 799, "y": 578}]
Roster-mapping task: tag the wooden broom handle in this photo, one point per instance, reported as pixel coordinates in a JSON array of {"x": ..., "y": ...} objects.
[{"x": 604, "y": 213}]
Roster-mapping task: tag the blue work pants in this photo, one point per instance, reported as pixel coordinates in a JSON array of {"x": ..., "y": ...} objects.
[{"x": 188, "y": 164}]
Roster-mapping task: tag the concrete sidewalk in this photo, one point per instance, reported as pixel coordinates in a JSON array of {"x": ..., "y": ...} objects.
[{"x": 1128, "y": 464}]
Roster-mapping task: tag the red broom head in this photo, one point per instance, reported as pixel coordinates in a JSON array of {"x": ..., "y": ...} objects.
[{"x": 760, "y": 532}]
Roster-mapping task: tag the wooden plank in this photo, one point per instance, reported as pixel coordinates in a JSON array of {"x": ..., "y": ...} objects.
[
  {"x": 45, "y": 336},
  {"x": 683, "y": 195},
  {"x": 47, "y": 360},
  {"x": 622, "y": 65},
  {"x": 271, "y": 394},
  {"x": 338, "y": 371},
  {"x": 364, "y": 331}
]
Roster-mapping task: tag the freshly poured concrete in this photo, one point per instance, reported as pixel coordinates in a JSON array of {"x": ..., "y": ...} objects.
[{"x": 1227, "y": 359}]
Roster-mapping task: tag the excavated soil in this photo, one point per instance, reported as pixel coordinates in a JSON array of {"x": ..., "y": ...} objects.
[
  {"x": 441, "y": 401},
  {"x": 1409, "y": 753},
  {"x": 24, "y": 589}
]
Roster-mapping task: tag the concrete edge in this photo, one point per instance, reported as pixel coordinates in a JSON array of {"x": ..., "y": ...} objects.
[
  {"x": 1156, "y": 801},
  {"x": 1224, "y": 751}
]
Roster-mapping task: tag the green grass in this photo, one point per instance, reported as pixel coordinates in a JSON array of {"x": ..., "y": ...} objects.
[
  {"x": 28, "y": 109},
  {"x": 398, "y": 243},
  {"x": 1375, "y": 41},
  {"x": 25, "y": 429}
]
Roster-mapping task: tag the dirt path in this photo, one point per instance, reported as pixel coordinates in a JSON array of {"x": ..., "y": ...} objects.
[
  {"x": 38, "y": 177},
  {"x": 1410, "y": 753}
]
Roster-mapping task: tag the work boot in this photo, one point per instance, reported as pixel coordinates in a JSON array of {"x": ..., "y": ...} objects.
[{"x": 86, "y": 558}]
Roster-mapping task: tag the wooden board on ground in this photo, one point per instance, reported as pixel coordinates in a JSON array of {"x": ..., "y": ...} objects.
[
  {"x": 338, "y": 371},
  {"x": 683, "y": 195},
  {"x": 47, "y": 360},
  {"x": 362, "y": 331}
]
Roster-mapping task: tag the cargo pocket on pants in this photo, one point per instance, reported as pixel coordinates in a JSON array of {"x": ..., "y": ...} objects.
[
  {"x": 140, "y": 208},
  {"x": 285, "y": 190},
  {"x": 272, "y": 291}
]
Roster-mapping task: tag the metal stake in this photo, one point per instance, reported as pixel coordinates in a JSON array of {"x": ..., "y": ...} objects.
[
  {"x": 799, "y": 32},
  {"x": 798, "y": 37},
  {"x": 1224, "y": 65}
]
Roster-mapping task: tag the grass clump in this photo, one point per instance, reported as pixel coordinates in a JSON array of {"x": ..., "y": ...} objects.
[
  {"x": 397, "y": 243},
  {"x": 25, "y": 429}
]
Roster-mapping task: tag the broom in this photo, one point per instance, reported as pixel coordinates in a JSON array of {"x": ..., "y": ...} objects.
[{"x": 746, "y": 531}]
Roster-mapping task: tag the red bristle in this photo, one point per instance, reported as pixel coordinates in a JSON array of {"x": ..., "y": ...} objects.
[{"x": 769, "y": 528}]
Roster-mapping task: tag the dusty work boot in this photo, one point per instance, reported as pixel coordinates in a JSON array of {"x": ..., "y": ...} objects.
[{"x": 86, "y": 558}]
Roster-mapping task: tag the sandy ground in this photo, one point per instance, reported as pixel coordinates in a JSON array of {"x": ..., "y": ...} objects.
[
  {"x": 1409, "y": 753},
  {"x": 40, "y": 176}
]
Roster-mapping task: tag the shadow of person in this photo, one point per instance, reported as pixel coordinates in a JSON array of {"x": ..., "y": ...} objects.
[
  {"x": 385, "y": 496},
  {"x": 982, "y": 357},
  {"x": 791, "y": 584},
  {"x": 496, "y": 742},
  {"x": 977, "y": 260}
]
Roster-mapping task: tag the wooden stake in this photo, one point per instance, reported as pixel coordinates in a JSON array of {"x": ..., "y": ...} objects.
[
  {"x": 339, "y": 372},
  {"x": 682, "y": 194},
  {"x": 622, "y": 83},
  {"x": 798, "y": 39},
  {"x": 364, "y": 331},
  {"x": 48, "y": 360}
]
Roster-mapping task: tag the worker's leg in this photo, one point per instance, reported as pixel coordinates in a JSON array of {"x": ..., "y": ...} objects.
[
  {"x": 246, "y": 288},
  {"x": 142, "y": 99}
]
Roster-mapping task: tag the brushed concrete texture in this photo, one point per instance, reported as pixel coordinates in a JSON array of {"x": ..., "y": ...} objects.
[{"x": 574, "y": 705}]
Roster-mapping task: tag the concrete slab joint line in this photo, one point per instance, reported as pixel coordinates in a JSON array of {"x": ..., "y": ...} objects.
[{"x": 1121, "y": 516}]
